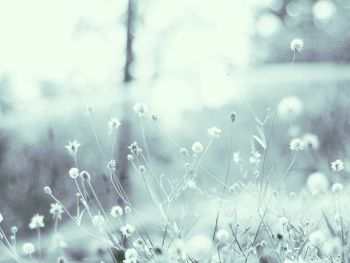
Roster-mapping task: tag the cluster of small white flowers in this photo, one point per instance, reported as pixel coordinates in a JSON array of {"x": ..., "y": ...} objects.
[
  {"x": 214, "y": 132},
  {"x": 127, "y": 230},
  {"x": 56, "y": 210},
  {"x": 113, "y": 125},
  {"x": 337, "y": 165},
  {"x": 37, "y": 221},
  {"x": 140, "y": 109},
  {"x": 197, "y": 147},
  {"x": 116, "y": 211},
  {"x": 296, "y": 144},
  {"x": 73, "y": 147},
  {"x": 311, "y": 141},
  {"x": 255, "y": 158}
]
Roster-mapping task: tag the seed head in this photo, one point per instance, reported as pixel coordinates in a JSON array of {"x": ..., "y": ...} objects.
[
  {"x": 28, "y": 248},
  {"x": 197, "y": 147},
  {"x": 116, "y": 211},
  {"x": 73, "y": 173},
  {"x": 297, "y": 45},
  {"x": 47, "y": 190}
]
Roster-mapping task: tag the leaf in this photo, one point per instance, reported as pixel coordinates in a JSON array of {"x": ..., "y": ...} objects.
[
  {"x": 262, "y": 134},
  {"x": 260, "y": 141}
]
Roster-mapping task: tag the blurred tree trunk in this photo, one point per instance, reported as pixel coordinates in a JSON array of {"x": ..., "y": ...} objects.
[{"x": 126, "y": 129}]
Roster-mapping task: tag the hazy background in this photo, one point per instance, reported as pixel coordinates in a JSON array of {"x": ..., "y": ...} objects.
[{"x": 193, "y": 62}]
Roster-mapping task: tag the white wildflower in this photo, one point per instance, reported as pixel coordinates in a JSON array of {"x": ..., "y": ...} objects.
[
  {"x": 47, "y": 190},
  {"x": 289, "y": 107},
  {"x": 1, "y": 218},
  {"x": 112, "y": 164},
  {"x": 337, "y": 187},
  {"x": 317, "y": 183},
  {"x": 116, "y": 211},
  {"x": 127, "y": 230},
  {"x": 142, "y": 169},
  {"x": 297, "y": 45},
  {"x": 28, "y": 248},
  {"x": 214, "y": 132},
  {"x": 56, "y": 210},
  {"x": 73, "y": 147},
  {"x": 296, "y": 144},
  {"x": 197, "y": 147},
  {"x": 135, "y": 149},
  {"x": 317, "y": 238},
  {"x": 129, "y": 157},
  {"x": 130, "y": 255},
  {"x": 311, "y": 141},
  {"x": 222, "y": 236},
  {"x": 113, "y": 125},
  {"x": 337, "y": 165},
  {"x": 37, "y": 221},
  {"x": 73, "y": 173},
  {"x": 140, "y": 109},
  {"x": 58, "y": 242}
]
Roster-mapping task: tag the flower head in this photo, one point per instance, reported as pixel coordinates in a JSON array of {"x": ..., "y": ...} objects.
[
  {"x": 222, "y": 236},
  {"x": 28, "y": 248},
  {"x": 214, "y": 132},
  {"x": 127, "y": 230},
  {"x": 140, "y": 109},
  {"x": 116, "y": 211},
  {"x": 296, "y": 144},
  {"x": 297, "y": 45},
  {"x": 56, "y": 210},
  {"x": 289, "y": 107},
  {"x": 317, "y": 183},
  {"x": 112, "y": 164},
  {"x": 73, "y": 147},
  {"x": 135, "y": 149},
  {"x": 1, "y": 218},
  {"x": 113, "y": 124},
  {"x": 37, "y": 222},
  {"x": 73, "y": 173},
  {"x": 337, "y": 165},
  {"x": 197, "y": 147}
]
